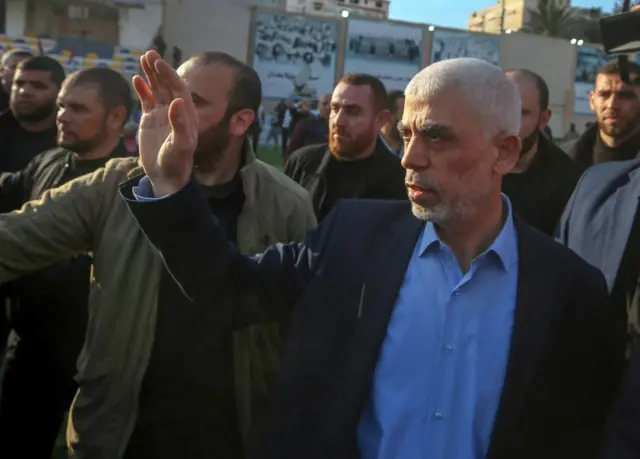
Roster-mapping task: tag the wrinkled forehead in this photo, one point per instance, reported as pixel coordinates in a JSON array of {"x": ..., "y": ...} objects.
[
  {"x": 447, "y": 108},
  {"x": 612, "y": 82}
]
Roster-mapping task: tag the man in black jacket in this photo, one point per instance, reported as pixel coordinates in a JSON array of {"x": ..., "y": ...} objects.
[
  {"x": 8, "y": 65},
  {"x": 356, "y": 163},
  {"x": 444, "y": 328},
  {"x": 542, "y": 181},
  {"x": 48, "y": 310},
  {"x": 29, "y": 127}
]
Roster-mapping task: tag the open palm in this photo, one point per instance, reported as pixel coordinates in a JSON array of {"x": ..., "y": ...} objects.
[{"x": 169, "y": 125}]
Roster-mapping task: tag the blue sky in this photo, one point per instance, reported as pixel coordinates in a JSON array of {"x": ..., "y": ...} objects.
[{"x": 454, "y": 13}]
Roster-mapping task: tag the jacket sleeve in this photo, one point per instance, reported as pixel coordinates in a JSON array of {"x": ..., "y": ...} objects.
[
  {"x": 51, "y": 229},
  {"x": 203, "y": 262},
  {"x": 622, "y": 430},
  {"x": 562, "y": 232},
  {"x": 302, "y": 220},
  {"x": 15, "y": 187}
]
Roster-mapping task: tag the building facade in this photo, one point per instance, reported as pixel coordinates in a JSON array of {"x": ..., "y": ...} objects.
[{"x": 505, "y": 15}]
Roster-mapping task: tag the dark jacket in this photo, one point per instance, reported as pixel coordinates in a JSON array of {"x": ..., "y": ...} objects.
[
  {"x": 308, "y": 167},
  {"x": 18, "y": 147},
  {"x": 344, "y": 282},
  {"x": 540, "y": 194},
  {"x": 581, "y": 149},
  {"x": 49, "y": 306},
  {"x": 310, "y": 131}
]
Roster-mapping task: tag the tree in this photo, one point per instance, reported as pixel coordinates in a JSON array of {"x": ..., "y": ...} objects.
[{"x": 551, "y": 20}]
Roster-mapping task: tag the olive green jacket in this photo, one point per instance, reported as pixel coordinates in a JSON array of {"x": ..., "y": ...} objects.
[{"x": 89, "y": 215}]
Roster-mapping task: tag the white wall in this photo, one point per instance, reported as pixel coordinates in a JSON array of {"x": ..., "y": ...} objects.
[
  {"x": 137, "y": 26},
  {"x": 206, "y": 25},
  {"x": 16, "y": 17}
]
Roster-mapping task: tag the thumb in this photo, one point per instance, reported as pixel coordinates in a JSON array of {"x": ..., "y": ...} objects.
[{"x": 182, "y": 131}]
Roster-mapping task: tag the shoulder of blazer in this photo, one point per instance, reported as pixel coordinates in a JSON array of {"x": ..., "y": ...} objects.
[
  {"x": 537, "y": 247},
  {"x": 603, "y": 179}
]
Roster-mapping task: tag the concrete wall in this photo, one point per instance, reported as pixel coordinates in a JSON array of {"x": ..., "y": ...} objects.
[
  {"x": 137, "y": 26},
  {"x": 200, "y": 25}
]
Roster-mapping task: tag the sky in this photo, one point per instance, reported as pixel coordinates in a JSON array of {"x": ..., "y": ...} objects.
[{"x": 455, "y": 13}]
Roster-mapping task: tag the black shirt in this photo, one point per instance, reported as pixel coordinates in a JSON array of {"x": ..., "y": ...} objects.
[
  {"x": 540, "y": 194},
  {"x": 18, "y": 146},
  {"x": 329, "y": 179},
  {"x": 626, "y": 151},
  {"x": 187, "y": 402}
]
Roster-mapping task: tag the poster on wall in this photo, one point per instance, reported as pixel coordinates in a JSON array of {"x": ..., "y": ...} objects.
[
  {"x": 449, "y": 44},
  {"x": 295, "y": 56},
  {"x": 391, "y": 52},
  {"x": 589, "y": 60}
]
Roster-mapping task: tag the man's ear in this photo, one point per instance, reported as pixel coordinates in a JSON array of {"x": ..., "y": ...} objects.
[
  {"x": 241, "y": 122},
  {"x": 509, "y": 147}
]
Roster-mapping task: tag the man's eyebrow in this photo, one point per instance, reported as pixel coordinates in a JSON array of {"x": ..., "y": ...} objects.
[{"x": 431, "y": 129}]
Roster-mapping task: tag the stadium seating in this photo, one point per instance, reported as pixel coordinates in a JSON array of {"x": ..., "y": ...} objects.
[{"x": 78, "y": 53}]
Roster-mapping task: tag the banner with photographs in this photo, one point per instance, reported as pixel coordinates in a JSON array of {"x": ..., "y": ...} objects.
[
  {"x": 449, "y": 44},
  {"x": 295, "y": 56},
  {"x": 588, "y": 60},
  {"x": 391, "y": 52}
]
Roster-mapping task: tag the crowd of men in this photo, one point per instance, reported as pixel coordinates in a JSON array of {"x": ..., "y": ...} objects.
[{"x": 436, "y": 278}]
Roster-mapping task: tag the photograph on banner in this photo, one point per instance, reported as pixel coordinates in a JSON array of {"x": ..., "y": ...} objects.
[
  {"x": 295, "y": 56},
  {"x": 588, "y": 60},
  {"x": 391, "y": 52},
  {"x": 449, "y": 44}
]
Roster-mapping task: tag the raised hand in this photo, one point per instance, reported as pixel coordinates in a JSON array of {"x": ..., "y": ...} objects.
[{"x": 168, "y": 132}]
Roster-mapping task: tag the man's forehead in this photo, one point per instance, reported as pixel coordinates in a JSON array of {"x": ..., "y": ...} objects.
[
  {"x": 33, "y": 75},
  {"x": 612, "y": 82},
  {"x": 80, "y": 93},
  {"x": 351, "y": 94},
  {"x": 199, "y": 77}
]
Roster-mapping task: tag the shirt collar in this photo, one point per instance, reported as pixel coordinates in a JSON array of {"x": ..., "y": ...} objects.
[{"x": 505, "y": 246}]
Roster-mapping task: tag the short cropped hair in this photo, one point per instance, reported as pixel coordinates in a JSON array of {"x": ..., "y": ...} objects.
[
  {"x": 612, "y": 68},
  {"x": 247, "y": 91},
  {"x": 15, "y": 52},
  {"x": 113, "y": 90},
  {"x": 491, "y": 94},
  {"x": 541, "y": 85},
  {"x": 377, "y": 88},
  {"x": 45, "y": 64}
]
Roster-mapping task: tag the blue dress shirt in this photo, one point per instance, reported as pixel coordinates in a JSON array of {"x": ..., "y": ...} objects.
[{"x": 442, "y": 366}]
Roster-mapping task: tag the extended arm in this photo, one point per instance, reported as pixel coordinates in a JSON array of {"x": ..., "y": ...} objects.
[{"x": 51, "y": 229}]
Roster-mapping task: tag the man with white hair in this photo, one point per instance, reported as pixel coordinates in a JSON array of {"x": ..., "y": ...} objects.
[{"x": 443, "y": 329}]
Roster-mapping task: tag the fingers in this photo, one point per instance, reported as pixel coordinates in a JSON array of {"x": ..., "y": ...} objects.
[
  {"x": 144, "y": 93},
  {"x": 161, "y": 92},
  {"x": 183, "y": 132},
  {"x": 168, "y": 77}
]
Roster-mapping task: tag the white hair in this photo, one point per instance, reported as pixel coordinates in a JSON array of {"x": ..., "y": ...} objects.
[{"x": 485, "y": 86}]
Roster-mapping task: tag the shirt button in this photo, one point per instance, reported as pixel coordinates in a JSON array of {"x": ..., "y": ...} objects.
[
  {"x": 438, "y": 416},
  {"x": 448, "y": 349}
]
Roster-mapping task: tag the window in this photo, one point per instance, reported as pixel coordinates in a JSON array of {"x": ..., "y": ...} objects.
[
  {"x": 378, "y": 4},
  {"x": 78, "y": 12}
]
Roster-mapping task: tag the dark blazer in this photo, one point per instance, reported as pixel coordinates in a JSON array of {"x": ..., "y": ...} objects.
[
  {"x": 596, "y": 225},
  {"x": 344, "y": 281},
  {"x": 598, "y": 218}
]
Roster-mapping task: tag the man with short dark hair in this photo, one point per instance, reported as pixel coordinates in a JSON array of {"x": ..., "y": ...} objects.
[
  {"x": 29, "y": 127},
  {"x": 162, "y": 375},
  {"x": 48, "y": 310},
  {"x": 8, "y": 65},
  {"x": 356, "y": 163},
  {"x": 389, "y": 131},
  {"x": 542, "y": 181},
  {"x": 616, "y": 134}
]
